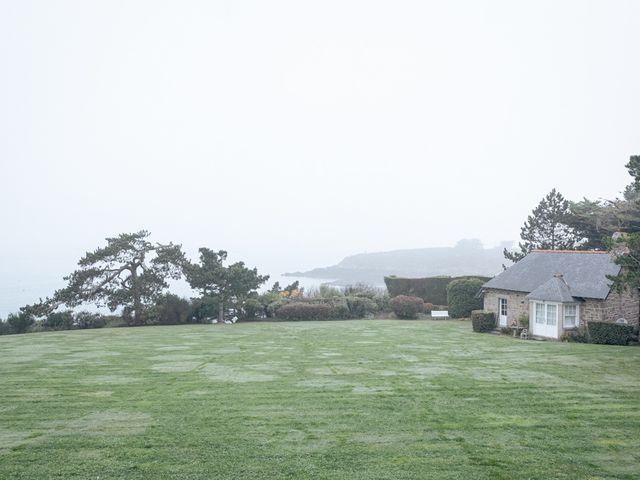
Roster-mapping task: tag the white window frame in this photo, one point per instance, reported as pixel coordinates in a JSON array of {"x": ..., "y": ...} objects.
[
  {"x": 576, "y": 315},
  {"x": 536, "y": 306},
  {"x": 557, "y": 316},
  {"x": 503, "y": 302}
]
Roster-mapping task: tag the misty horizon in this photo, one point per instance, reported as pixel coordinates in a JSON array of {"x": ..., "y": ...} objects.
[
  {"x": 294, "y": 135},
  {"x": 16, "y": 292}
]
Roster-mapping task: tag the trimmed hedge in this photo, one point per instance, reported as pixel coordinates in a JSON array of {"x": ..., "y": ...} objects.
[
  {"x": 462, "y": 296},
  {"x": 305, "y": 311},
  {"x": 338, "y": 308},
  {"x": 432, "y": 290},
  {"x": 429, "y": 289},
  {"x": 483, "y": 321},
  {"x": 407, "y": 307},
  {"x": 609, "y": 333}
]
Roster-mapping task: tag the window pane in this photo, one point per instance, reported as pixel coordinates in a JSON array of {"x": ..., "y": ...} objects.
[
  {"x": 539, "y": 313},
  {"x": 503, "y": 306},
  {"x": 570, "y": 314},
  {"x": 552, "y": 315}
]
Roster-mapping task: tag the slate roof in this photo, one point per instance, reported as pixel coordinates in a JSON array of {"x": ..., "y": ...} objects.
[
  {"x": 584, "y": 272},
  {"x": 553, "y": 290}
]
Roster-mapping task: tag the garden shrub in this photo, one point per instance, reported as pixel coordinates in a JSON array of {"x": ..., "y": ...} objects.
[
  {"x": 305, "y": 311},
  {"x": 20, "y": 322},
  {"x": 462, "y": 296},
  {"x": 203, "y": 309},
  {"x": 578, "y": 335},
  {"x": 383, "y": 302},
  {"x": 327, "y": 291},
  {"x": 483, "y": 321},
  {"x": 59, "y": 321},
  {"x": 360, "y": 307},
  {"x": 428, "y": 307},
  {"x": 361, "y": 290},
  {"x": 272, "y": 309},
  {"x": 339, "y": 308},
  {"x": 170, "y": 309},
  {"x": 89, "y": 320},
  {"x": 114, "y": 321},
  {"x": 5, "y": 328},
  {"x": 267, "y": 299},
  {"x": 523, "y": 320},
  {"x": 405, "y": 306},
  {"x": 252, "y": 309},
  {"x": 38, "y": 327},
  {"x": 609, "y": 333}
]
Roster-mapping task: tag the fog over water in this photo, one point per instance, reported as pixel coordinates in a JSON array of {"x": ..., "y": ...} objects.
[{"x": 293, "y": 134}]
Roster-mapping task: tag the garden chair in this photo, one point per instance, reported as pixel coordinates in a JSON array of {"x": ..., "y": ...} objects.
[{"x": 524, "y": 334}]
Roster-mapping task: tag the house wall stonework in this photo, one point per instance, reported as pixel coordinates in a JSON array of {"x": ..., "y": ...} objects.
[
  {"x": 622, "y": 305},
  {"x": 591, "y": 311},
  {"x": 516, "y": 303},
  {"x": 617, "y": 305}
]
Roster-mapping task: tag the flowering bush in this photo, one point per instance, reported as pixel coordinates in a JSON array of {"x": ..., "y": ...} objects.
[{"x": 405, "y": 306}]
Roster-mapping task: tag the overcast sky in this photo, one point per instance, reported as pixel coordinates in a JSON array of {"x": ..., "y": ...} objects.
[{"x": 295, "y": 133}]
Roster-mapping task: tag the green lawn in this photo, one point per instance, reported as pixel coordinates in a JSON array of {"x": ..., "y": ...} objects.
[{"x": 354, "y": 400}]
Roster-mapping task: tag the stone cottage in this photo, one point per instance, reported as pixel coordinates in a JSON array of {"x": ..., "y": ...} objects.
[{"x": 560, "y": 290}]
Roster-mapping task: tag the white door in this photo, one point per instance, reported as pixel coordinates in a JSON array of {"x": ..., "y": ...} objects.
[
  {"x": 545, "y": 319},
  {"x": 551, "y": 327},
  {"x": 502, "y": 311}
]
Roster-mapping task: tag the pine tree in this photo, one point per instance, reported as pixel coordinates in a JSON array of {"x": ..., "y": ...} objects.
[
  {"x": 634, "y": 170},
  {"x": 625, "y": 247},
  {"x": 223, "y": 283},
  {"x": 546, "y": 228},
  {"x": 129, "y": 272}
]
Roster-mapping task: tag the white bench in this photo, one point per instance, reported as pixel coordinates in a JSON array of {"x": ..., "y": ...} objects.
[{"x": 439, "y": 314}]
